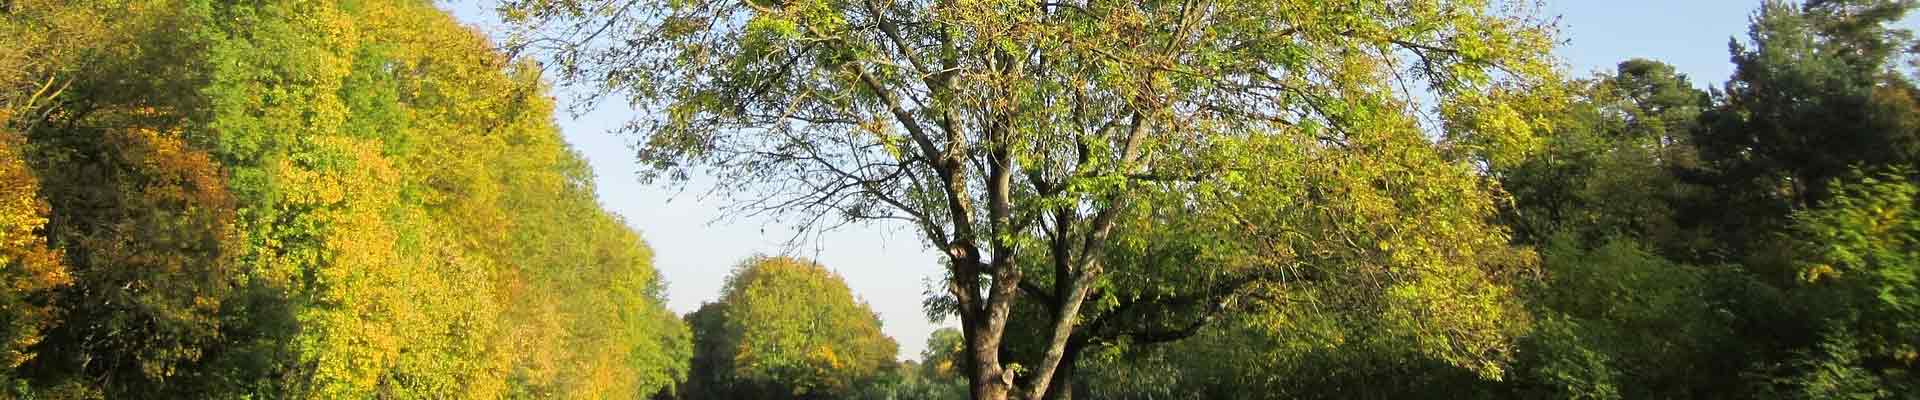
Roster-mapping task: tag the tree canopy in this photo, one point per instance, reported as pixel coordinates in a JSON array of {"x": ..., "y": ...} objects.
[
  {"x": 303, "y": 200},
  {"x": 1011, "y": 133},
  {"x": 786, "y": 328}
]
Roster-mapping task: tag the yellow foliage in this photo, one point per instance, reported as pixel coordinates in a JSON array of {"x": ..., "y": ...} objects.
[
  {"x": 373, "y": 171},
  {"x": 27, "y": 266},
  {"x": 1819, "y": 273}
]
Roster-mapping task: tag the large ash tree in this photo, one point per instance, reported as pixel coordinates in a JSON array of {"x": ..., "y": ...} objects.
[{"x": 1028, "y": 141}]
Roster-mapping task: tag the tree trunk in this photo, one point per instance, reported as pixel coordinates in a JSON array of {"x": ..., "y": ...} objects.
[
  {"x": 983, "y": 328},
  {"x": 1062, "y": 388},
  {"x": 987, "y": 380},
  {"x": 1062, "y": 335},
  {"x": 988, "y": 386}
]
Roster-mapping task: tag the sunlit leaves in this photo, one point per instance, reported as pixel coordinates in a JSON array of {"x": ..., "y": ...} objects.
[
  {"x": 1005, "y": 130},
  {"x": 1860, "y": 250},
  {"x": 786, "y": 327},
  {"x": 1383, "y": 226},
  {"x": 294, "y": 199},
  {"x": 28, "y": 268}
]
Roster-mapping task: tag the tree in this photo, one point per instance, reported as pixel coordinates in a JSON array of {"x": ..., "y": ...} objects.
[
  {"x": 786, "y": 328},
  {"x": 1000, "y": 130},
  {"x": 1671, "y": 277},
  {"x": 29, "y": 270},
  {"x": 1612, "y": 166},
  {"x": 142, "y": 217},
  {"x": 944, "y": 357},
  {"x": 148, "y": 233},
  {"x": 935, "y": 376},
  {"x": 1819, "y": 100},
  {"x": 42, "y": 38},
  {"x": 1619, "y": 320},
  {"x": 1815, "y": 94},
  {"x": 1862, "y": 285},
  {"x": 1414, "y": 251}
]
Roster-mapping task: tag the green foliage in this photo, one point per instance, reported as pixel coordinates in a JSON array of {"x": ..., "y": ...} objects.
[
  {"x": 147, "y": 224},
  {"x": 1816, "y": 93},
  {"x": 1146, "y": 199},
  {"x": 1671, "y": 267},
  {"x": 788, "y": 328},
  {"x": 1623, "y": 210},
  {"x": 304, "y": 200},
  {"x": 945, "y": 355},
  {"x": 1308, "y": 356},
  {"x": 1620, "y": 321},
  {"x": 938, "y": 375},
  {"x": 1861, "y": 249},
  {"x": 1384, "y": 242},
  {"x": 1607, "y": 168},
  {"x": 1025, "y": 140},
  {"x": 905, "y": 383},
  {"x": 1858, "y": 259}
]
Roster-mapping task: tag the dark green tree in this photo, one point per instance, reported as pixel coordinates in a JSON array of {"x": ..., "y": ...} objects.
[
  {"x": 1816, "y": 92},
  {"x": 1610, "y": 166}
]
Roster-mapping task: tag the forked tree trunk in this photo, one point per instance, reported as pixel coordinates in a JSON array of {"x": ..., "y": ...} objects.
[{"x": 986, "y": 379}]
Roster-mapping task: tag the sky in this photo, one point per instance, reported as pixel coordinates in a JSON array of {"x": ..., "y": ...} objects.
[{"x": 888, "y": 266}]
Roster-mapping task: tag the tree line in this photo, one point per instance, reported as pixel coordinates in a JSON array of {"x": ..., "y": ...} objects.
[
  {"x": 295, "y": 199},
  {"x": 1141, "y": 199}
]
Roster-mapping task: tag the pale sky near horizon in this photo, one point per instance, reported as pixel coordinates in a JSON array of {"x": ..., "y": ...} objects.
[{"x": 889, "y": 267}]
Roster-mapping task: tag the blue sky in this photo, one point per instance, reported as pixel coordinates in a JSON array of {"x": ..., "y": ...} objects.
[
  {"x": 890, "y": 268},
  {"x": 1690, "y": 34}
]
